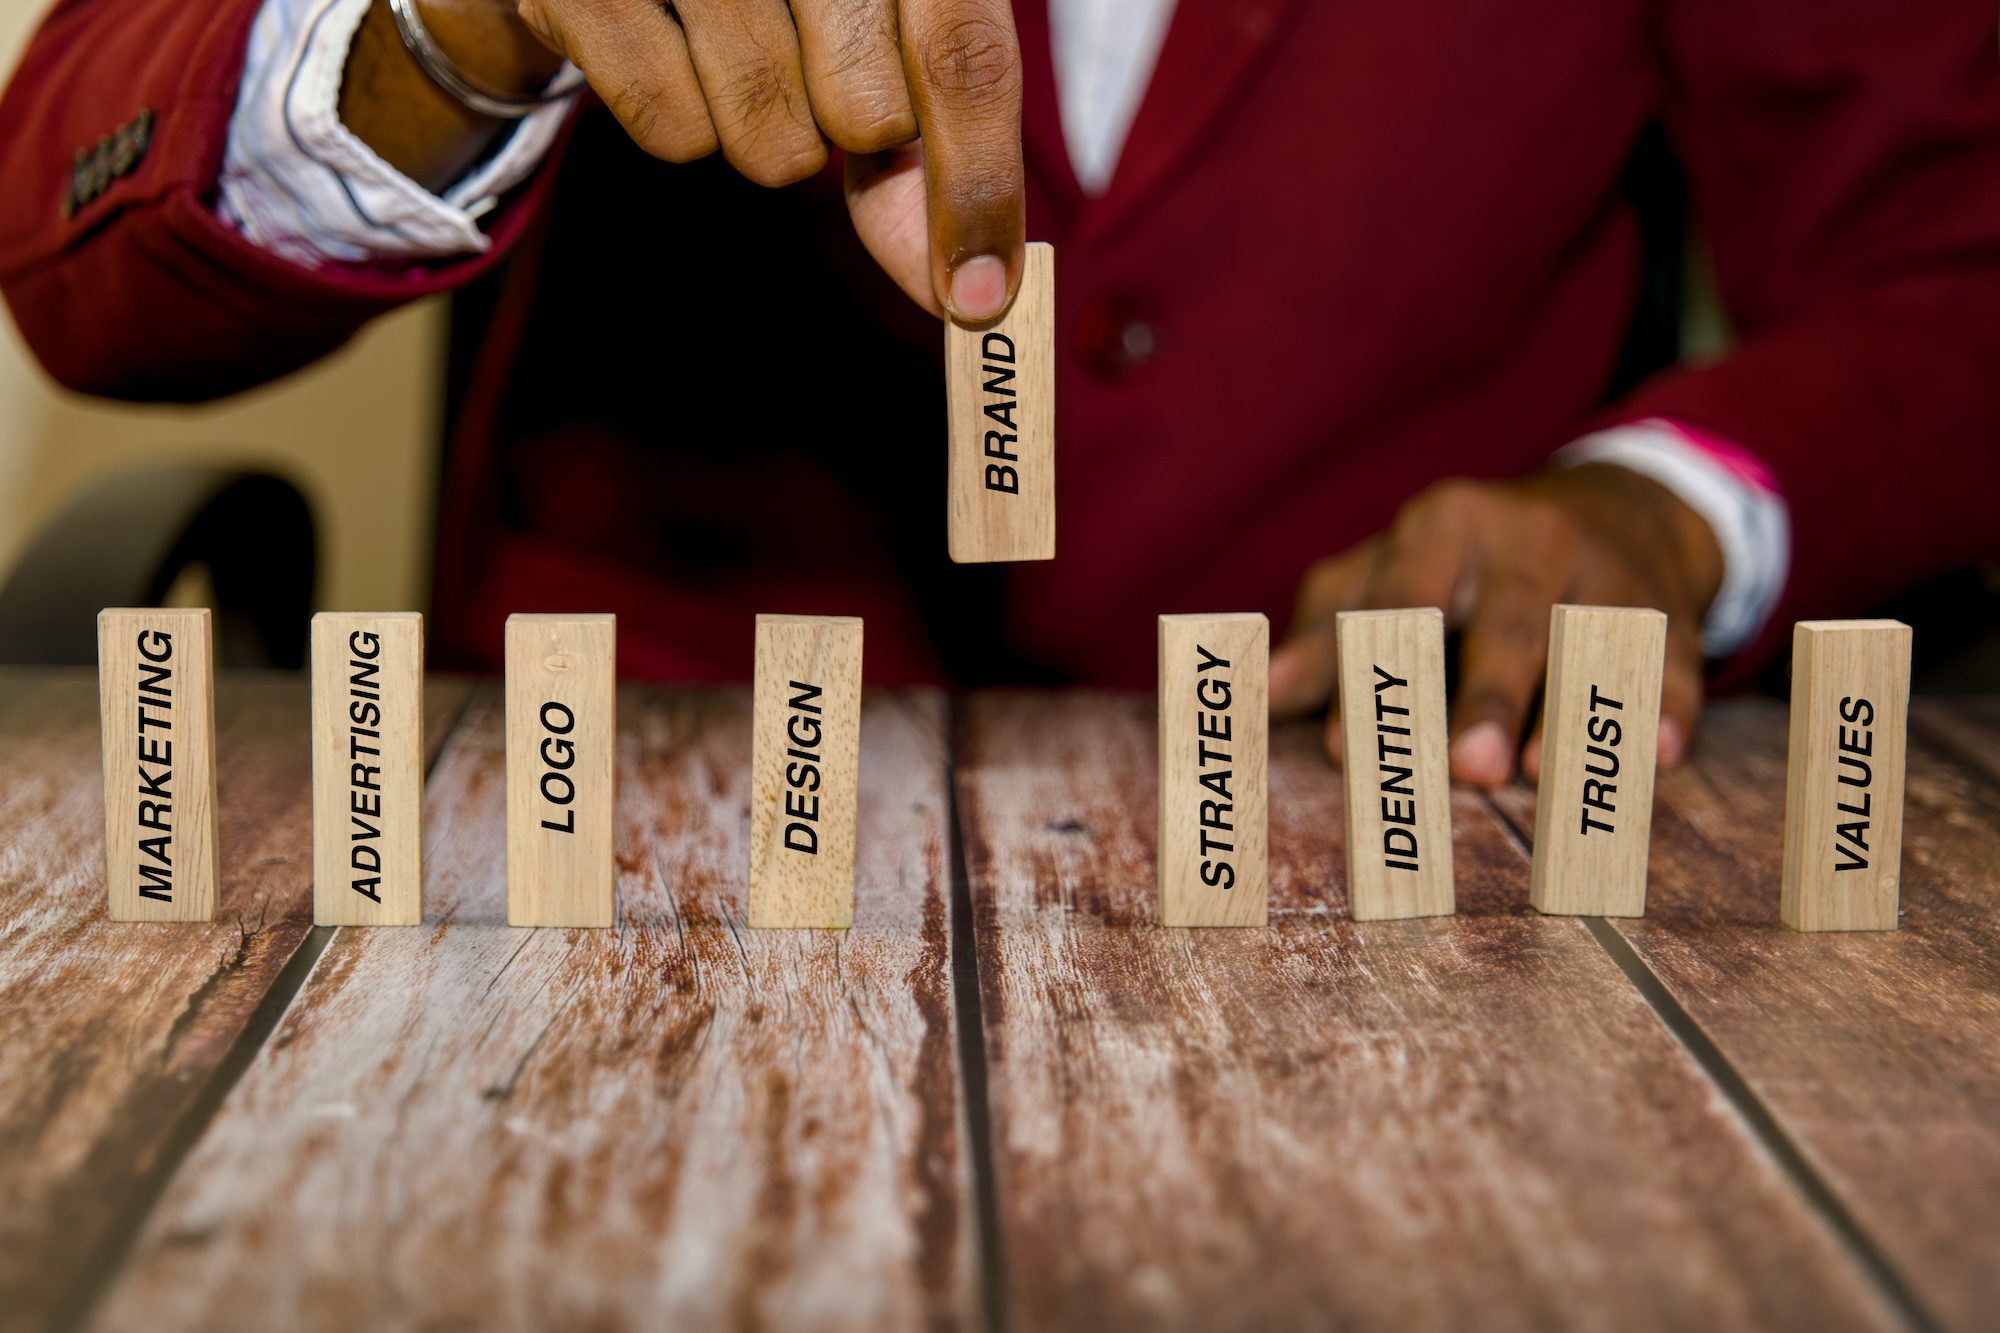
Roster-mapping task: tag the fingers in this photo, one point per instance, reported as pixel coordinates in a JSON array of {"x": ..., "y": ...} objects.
[
  {"x": 1503, "y": 653},
  {"x": 962, "y": 66},
  {"x": 854, "y": 73},
  {"x": 885, "y": 198},
  {"x": 746, "y": 54},
  {"x": 636, "y": 58},
  {"x": 1426, "y": 554},
  {"x": 1306, "y": 665},
  {"x": 1681, "y": 691}
]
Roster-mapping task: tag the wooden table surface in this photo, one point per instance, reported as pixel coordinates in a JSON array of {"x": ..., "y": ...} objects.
[{"x": 1006, "y": 1098}]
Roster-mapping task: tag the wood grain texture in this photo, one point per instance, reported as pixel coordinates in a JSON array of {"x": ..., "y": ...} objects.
[
  {"x": 1395, "y": 761},
  {"x": 1878, "y": 1055},
  {"x": 803, "y": 775},
  {"x": 116, "y": 1031},
  {"x": 562, "y": 727},
  {"x": 1844, "y": 774},
  {"x": 1458, "y": 1122},
  {"x": 368, "y": 768},
  {"x": 1214, "y": 716},
  {"x": 1601, "y": 718},
  {"x": 1000, "y": 390},
  {"x": 156, "y": 687},
  {"x": 677, "y": 1124}
]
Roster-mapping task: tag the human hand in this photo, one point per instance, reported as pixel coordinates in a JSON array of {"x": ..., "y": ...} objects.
[
  {"x": 924, "y": 96},
  {"x": 1496, "y": 556}
]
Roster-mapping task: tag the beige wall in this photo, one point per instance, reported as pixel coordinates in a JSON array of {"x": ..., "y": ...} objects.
[{"x": 357, "y": 433}]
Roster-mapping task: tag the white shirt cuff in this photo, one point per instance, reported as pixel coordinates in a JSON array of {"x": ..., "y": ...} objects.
[
  {"x": 299, "y": 183},
  {"x": 1753, "y": 526}
]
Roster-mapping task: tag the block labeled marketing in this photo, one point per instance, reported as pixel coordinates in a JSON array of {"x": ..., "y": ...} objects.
[
  {"x": 156, "y": 696},
  {"x": 1214, "y": 734},
  {"x": 804, "y": 754},
  {"x": 1000, "y": 391},
  {"x": 561, "y": 755},
  {"x": 1601, "y": 721},
  {"x": 368, "y": 768},
  {"x": 1844, "y": 775},
  {"x": 1393, "y": 752}
]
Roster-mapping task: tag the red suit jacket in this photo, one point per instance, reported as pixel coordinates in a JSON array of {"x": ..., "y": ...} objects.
[{"x": 1349, "y": 250}]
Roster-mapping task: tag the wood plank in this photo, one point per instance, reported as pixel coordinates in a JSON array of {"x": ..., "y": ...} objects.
[
  {"x": 1214, "y": 715},
  {"x": 120, "y": 1028},
  {"x": 803, "y": 775},
  {"x": 677, "y": 1123},
  {"x": 1468, "y": 1121},
  {"x": 1000, "y": 390},
  {"x": 368, "y": 768},
  {"x": 1878, "y": 1055}
]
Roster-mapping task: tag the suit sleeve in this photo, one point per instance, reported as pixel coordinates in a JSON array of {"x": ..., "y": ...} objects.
[
  {"x": 121, "y": 276},
  {"x": 1844, "y": 161}
]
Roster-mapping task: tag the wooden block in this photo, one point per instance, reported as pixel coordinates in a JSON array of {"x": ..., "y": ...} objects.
[
  {"x": 1214, "y": 728},
  {"x": 1398, "y": 776},
  {"x": 804, "y": 751},
  {"x": 561, "y": 743},
  {"x": 156, "y": 704},
  {"x": 1844, "y": 774},
  {"x": 368, "y": 768},
  {"x": 1601, "y": 722},
  {"x": 1000, "y": 387}
]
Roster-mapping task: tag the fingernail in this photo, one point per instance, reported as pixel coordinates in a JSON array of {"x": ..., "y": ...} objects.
[
  {"x": 979, "y": 288},
  {"x": 1480, "y": 755},
  {"x": 1672, "y": 744}
]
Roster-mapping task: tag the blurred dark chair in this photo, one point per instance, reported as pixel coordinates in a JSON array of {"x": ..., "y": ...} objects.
[{"x": 123, "y": 541}]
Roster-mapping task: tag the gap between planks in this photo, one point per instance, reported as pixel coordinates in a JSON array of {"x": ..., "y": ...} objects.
[
  {"x": 1761, "y": 1121},
  {"x": 96, "y": 1278}
]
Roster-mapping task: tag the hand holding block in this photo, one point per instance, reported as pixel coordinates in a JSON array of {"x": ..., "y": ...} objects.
[
  {"x": 1844, "y": 774},
  {"x": 1000, "y": 391},
  {"x": 561, "y": 741},
  {"x": 1600, "y": 732},
  {"x": 1398, "y": 777},
  {"x": 1214, "y": 729},
  {"x": 804, "y": 753},
  {"x": 156, "y": 695},
  {"x": 368, "y": 768}
]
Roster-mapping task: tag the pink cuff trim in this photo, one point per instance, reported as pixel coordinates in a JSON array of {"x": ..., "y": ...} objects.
[{"x": 1741, "y": 463}]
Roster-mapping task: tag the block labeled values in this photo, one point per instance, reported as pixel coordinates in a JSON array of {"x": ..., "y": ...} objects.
[
  {"x": 368, "y": 768},
  {"x": 1844, "y": 774},
  {"x": 561, "y": 754},
  {"x": 156, "y": 694},
  {"x": 1214, "y": 735},
  {"x": 1396, "y": 769},
  {"x": 1601, "y": 722},
  {"x": 804, "y": 755},
  {"x": 1000, "y": 385}
]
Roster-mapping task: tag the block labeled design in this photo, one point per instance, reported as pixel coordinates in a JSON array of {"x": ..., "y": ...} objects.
[{"x": 804, "y": 756}]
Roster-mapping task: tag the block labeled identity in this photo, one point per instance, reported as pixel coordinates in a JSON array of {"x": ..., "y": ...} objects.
[
  {"x": 1000, "y": 391},
  {"x": 804, "y": 758},
  {"x": 1600, "y": 735},
  {"x": 561, "y": 752},
  {"x": 1396, "y": 769},
  {"x": 156, "y": 695},
  {"x": 1214, "y": 734},
  {"x": 1844, "y": 774},
  {"x": 368, "y": 768}
]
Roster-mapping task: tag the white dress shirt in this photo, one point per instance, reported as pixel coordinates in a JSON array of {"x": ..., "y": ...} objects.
[{"x": 297, "y": 182}]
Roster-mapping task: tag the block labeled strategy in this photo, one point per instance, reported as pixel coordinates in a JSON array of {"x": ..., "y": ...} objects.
[
  {"x": 1214, "y": 731},
  {"x": 156, "y": 696},
  {"x": 368, "y": 768},
  {"x": 1844, "y": 775},
  {"x": 1394, "y": 762},
  {"x": 1600, "y": 732},
  {"x": 1000, "y": 392},
  {"x": 561, "y": 753},
  {"x": 804, "y": 751}
]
